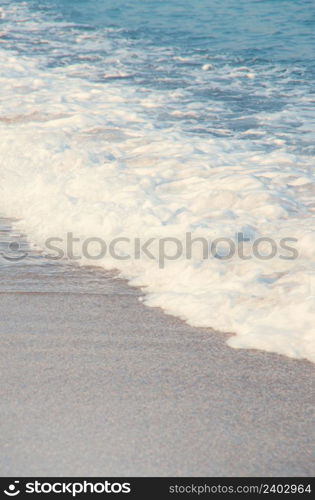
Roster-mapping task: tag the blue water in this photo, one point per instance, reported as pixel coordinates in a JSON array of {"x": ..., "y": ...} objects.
[
  {"x": 162, "y": 45},
  {"x": 266, "y": 29}
]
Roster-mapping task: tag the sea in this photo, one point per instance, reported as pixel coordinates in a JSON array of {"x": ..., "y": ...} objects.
[{"x": 171, "y": 141}]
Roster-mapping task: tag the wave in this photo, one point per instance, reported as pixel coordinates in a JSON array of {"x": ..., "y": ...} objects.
[{"x": 105, "y": 158}]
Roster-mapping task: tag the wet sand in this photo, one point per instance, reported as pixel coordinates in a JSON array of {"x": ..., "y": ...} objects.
[{"x": 94, "y": 383}]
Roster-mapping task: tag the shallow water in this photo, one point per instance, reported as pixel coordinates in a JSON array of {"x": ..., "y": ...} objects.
[{"x": 154, "y": 120}]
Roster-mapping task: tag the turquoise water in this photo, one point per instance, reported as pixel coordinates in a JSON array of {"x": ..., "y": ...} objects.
[
  {"x": 268, "y": 29},
  {"x": 162, "y": 46}
]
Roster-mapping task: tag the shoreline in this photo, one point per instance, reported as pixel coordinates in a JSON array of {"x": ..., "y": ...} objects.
[{"x": 96, "y": 383}]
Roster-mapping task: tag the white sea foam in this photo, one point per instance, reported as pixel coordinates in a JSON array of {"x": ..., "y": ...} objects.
[{"x": 89, "y": 156}]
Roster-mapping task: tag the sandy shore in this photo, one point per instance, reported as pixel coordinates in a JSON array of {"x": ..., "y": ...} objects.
[{"x": 94, "y": 383}]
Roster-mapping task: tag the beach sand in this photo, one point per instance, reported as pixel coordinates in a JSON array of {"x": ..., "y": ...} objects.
[{"x": 95, "y": 383}]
